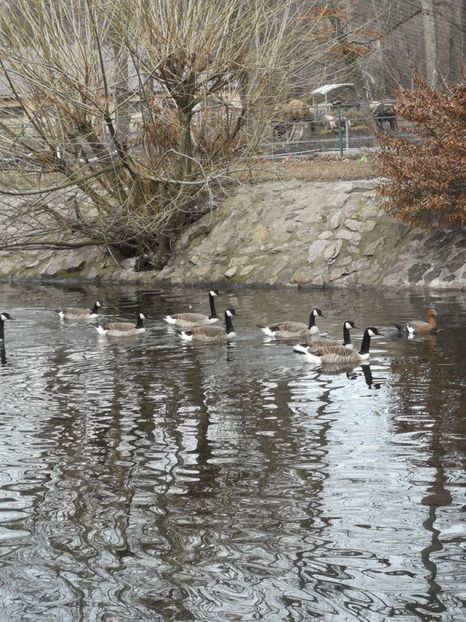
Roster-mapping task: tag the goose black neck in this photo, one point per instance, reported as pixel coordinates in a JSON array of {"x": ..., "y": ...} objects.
[
  {"x": 140, "y": 322},
  {"x": 213, "y": 312},
  {"x": 366, "y": 343},
  {"x": 312, "y": 320},
  {"x": 2, "y": 354},
  {"x": 346, "y": 335},
  {"x": 228, "y": 324},
  {"x": 2, "y": 330},
  {"x": 95, "y": 308}
]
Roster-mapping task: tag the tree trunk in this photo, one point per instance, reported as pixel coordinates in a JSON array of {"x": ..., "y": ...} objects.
[
  {"x": 430, "y": 43},
  {"x": 457, "y": 23},
  {"x": 122, "y": 107},
  {"x": 186, "y": 142}
]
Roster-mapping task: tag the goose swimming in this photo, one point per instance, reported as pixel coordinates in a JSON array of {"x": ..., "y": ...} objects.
[
  {"x": 188, "y": 319},
  {"x": 332, "y": 355},
  {"x": 293, "y": 330},
  {"x": 79, "y": 313},
  {"x": 212, "y": 334},
  {"x": 123, "y": 329}
]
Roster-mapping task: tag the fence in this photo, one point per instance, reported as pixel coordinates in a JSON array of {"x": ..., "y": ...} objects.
[{"x": 345, "y": 131}]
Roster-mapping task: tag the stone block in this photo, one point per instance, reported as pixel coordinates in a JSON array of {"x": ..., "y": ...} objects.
[{"x": 332, "y": 251}]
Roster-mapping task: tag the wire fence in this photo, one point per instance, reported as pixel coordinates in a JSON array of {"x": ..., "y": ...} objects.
[{"x": 342, "y": 131}]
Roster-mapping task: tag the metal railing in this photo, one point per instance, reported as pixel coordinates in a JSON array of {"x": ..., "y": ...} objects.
[{"x": 345, "y": 131}]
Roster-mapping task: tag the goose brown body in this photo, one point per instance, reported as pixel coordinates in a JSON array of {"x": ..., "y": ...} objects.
[
  {"x": 289, "y": 330},
  {"x": 339, "y": 355},
  {"x": 330, "y": 355},
  {"x": 188, "y": 319},
  {"x": 322, "y": 342},
  {"x": 79, "y": 313},
  {"x": 293, "y": 330},
  {"x": 212, "y": 334},
  {"x": 123, "y": 329}
]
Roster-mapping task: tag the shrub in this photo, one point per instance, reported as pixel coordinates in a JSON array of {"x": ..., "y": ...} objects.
[{"x": 425, "y": 174}]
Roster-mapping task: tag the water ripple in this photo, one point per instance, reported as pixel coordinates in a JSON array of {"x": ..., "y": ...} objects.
[{"x": 144, "y": 479}]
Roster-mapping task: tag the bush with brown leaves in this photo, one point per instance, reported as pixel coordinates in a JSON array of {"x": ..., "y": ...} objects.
[{"x": 425, "y": 174}]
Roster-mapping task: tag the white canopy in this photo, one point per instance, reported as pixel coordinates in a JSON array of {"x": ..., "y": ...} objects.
[{"x": 326, "y": 88}]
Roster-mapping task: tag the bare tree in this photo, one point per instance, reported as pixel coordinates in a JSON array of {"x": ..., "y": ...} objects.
[{"x": 134, "y": 114}]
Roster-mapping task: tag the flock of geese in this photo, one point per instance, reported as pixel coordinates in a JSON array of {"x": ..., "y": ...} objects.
[{"x": 199, "y": 327}]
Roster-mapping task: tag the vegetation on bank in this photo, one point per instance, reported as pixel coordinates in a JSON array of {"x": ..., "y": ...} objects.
[
  {"x": 132, "y": 118},
  {"x": 321, "y": 167},
  {"x": 135, "y": 115},
  {"x": 425, "y": 179}
]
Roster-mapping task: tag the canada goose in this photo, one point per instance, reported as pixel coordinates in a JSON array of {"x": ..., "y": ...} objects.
[
  {"x": 78, "y": 313},
  {"x": 293, "y": 330},
  {"x": 320, "y": 342},
  {"x": 212, "y": 333},
  {"x": 123, "y": 329},
  {"x": 418, "y": 326},
  {"x": 332, "y": 355},
  {"x": 187, "y": 320},
  {"x": 3, "y": 316}
]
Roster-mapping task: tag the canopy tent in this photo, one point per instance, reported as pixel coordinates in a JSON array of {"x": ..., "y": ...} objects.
[{"x": 325, "y": 90}]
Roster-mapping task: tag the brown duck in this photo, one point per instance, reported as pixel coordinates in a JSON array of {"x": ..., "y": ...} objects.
[{"x": 419, "y": 326}]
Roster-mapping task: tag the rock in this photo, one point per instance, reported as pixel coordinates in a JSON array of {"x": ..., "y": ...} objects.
[
  {"x": 362, "y": 185},
  {"x": 129, "y": 263},
  {"x": 316, "y": 250},
  {"x": 360, "y": 226},
  {"x": 373, "y": 247},
  {"x": 346, "y": 234},
  {"x": 325, "y": 235},
  {"x": 335, "y": 220},
  {"x": 230, "y": 272},
  {"x": 332, "y": 251},
  {"x": 247, "y": 270},
  {"x": 65, "y": 262}
]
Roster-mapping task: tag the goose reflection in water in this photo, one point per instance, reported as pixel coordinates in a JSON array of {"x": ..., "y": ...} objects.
[
  {"x": 366, "y": 370},
  {"x": 351, "y": 373},
  {"x": 2, "y": 354}
]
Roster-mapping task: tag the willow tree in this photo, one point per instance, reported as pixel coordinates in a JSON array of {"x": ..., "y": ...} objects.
[{"x": 133, "y": 115}]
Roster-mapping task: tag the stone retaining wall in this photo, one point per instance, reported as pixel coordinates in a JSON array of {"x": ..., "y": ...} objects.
[{"x": 291, "y": 233}]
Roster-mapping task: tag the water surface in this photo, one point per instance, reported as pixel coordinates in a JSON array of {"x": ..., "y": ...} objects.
[{"x": 143, "y": 479}]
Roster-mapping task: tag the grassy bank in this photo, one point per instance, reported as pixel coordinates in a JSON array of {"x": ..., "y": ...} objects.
[{"x": 316, "y": 168}]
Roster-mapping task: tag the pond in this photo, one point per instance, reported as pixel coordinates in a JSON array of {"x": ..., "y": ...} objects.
[{"x": 145, "y": 479}]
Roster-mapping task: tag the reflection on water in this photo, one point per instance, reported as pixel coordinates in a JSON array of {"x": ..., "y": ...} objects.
[{"x": 144, "y": 479}]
